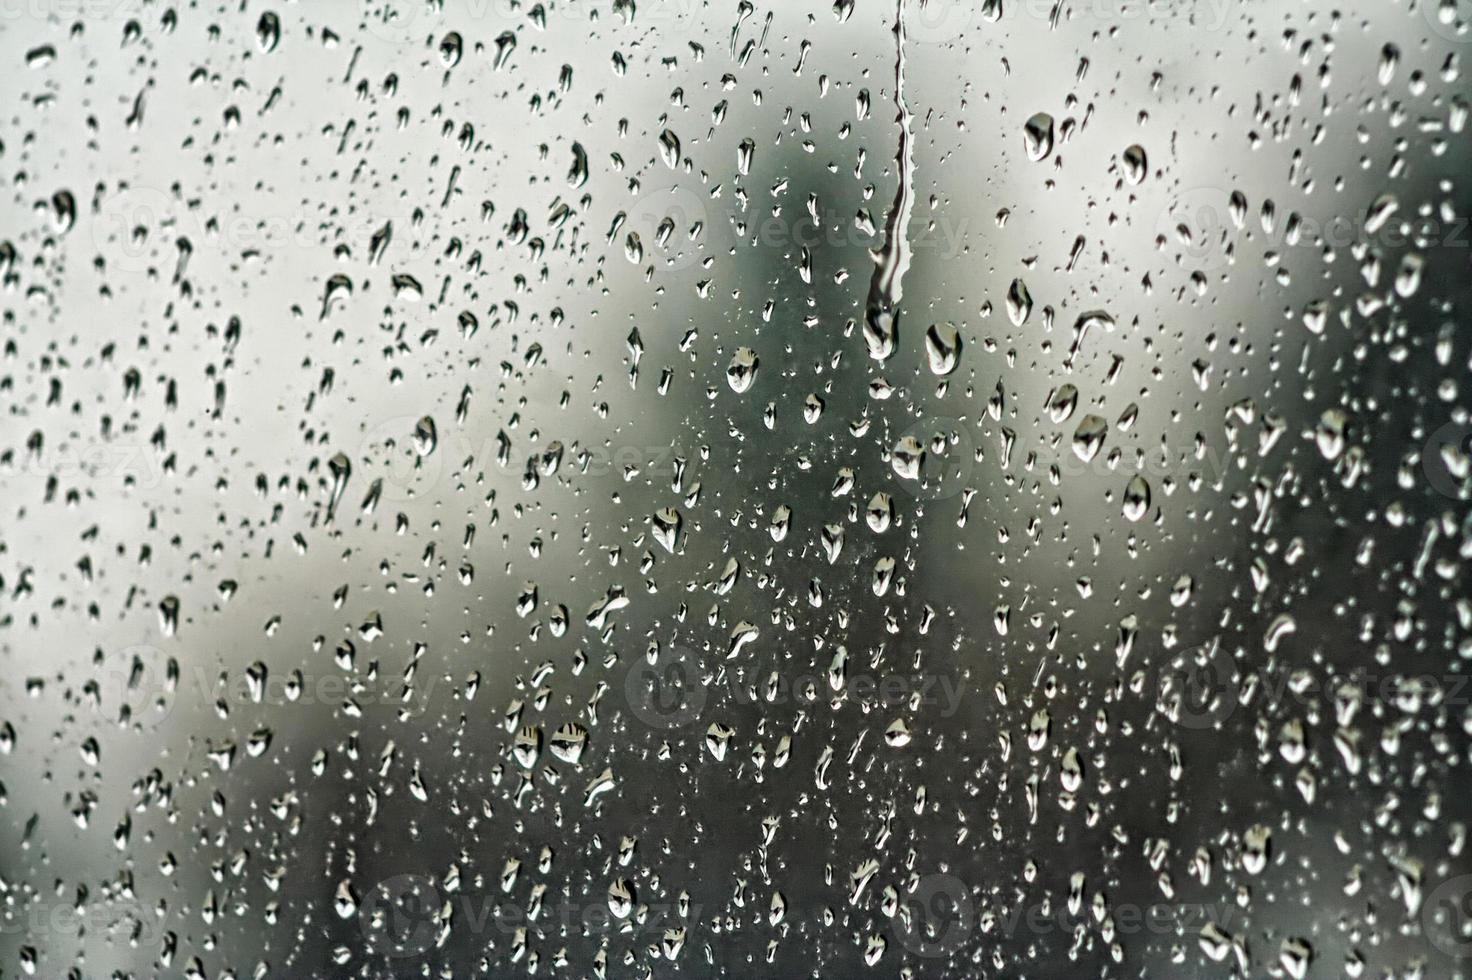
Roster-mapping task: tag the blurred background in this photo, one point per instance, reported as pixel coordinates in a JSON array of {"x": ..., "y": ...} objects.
[{"x": 457, "y": 524}]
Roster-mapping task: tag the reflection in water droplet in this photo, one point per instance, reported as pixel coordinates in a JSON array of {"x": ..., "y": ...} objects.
[{"x": 1037, "y": 136}]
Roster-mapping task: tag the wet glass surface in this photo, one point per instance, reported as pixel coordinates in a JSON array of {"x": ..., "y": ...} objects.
[{"x": 675, "y": 489}]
